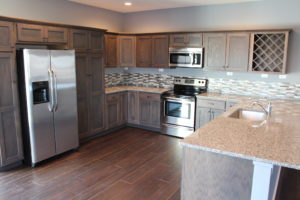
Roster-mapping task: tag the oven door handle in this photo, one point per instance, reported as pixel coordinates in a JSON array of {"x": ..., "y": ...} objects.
[{"x": 178, "y": 100}]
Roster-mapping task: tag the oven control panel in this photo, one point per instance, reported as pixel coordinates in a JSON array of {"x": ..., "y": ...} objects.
[{"x": 191, "y": 82}]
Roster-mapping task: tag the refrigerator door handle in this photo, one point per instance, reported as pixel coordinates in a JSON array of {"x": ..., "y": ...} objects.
[
  {"x": 55, "y": 92},
  {"x": 51, "y": 91}
]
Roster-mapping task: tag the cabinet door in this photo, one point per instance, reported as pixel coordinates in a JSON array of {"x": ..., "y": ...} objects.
[
  {"x": 203, "y": 116},
  {"x": 160, "y": 51},
  {"x": 155, "y": 106},
  {"x": 56, "y": 34},
  {"x": 111, "y": 50},
  {"x": 237, "y": 53},
  {"x": 96, "y": 40},
  {"x": 133, "y": 107},
  {"x": 96, "y": 95},
  {"x": 194, "y": 40},
  {"x": 149, "y": 107},
  {"x": 143, "y": 51},
  {"x": 215, "y": 51},
  {"x": 10, "y": 128},
  {"x": 6, "y": 36},
  {"x": 112, "y": 110},
  {"x": 124, "y": 108},
  {"x": 178, "y": 40},
  {"x": 79, "y": 39},
  {"x": 216, "y": 112},
  {"x": 126, "y": 51},
  {"x": 30, "y": 33},
  {"x": 82, "y": 94}
]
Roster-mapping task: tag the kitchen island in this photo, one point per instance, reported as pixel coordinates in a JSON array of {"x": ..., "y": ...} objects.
[{"x": 232, "y": 158}]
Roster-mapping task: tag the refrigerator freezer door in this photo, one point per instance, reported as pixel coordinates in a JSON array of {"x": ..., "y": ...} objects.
[
  {"x": 65, "y": 109},
  {"x": 40, "y": 119}
]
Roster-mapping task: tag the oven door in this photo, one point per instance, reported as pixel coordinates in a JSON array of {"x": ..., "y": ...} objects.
[{"x": 179, "y": 111}]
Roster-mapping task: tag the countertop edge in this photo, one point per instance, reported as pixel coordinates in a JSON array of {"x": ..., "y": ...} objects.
[{"x": 239, "y": 155}]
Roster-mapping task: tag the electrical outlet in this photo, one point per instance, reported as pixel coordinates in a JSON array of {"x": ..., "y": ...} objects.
[
  {"x": 265, "y": 75},
  {"x": 161, "y": 70},
  {"x": 229, "y": 73},
  {"x": 282, "y": 76}
]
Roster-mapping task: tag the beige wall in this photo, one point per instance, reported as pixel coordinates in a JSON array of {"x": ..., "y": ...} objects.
[{"x": 62, "y": 11}]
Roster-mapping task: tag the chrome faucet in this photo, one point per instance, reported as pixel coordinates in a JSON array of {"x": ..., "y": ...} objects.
[{"x": 267, "y": 109}]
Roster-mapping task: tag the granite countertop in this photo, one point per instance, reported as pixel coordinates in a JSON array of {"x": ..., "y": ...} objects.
[
  {"x": 276, "y": 142},
  {"x": 135, "y": 88}
]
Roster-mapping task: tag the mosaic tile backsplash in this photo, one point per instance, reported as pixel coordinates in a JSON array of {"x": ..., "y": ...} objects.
[{"x": 282, "y": 90}]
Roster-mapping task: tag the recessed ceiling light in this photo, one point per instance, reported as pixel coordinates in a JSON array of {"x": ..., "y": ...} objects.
[{"x": 127, "y": 3}]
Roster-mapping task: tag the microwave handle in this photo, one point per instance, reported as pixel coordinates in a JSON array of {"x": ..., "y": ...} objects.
[{"x": 192, "y": 55}]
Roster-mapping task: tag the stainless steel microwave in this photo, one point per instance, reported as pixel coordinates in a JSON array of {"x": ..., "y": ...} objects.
[{"x": 186, "y": 57}]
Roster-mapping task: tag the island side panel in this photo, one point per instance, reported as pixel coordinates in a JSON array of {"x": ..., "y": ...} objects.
[{"x": 211, "y": 176}]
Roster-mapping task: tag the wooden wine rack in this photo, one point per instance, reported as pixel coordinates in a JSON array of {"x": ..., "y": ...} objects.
[{"x": 268, "y": 52}]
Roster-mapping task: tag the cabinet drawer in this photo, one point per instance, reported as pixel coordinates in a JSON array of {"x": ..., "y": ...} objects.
[
  {"x": 216, "y": 104},
  {"x": 149, "y": 96},
  {"x": 112, "y": 97}
]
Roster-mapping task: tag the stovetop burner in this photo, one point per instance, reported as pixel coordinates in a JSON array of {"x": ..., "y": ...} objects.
[{"x": 188, "y": 87}]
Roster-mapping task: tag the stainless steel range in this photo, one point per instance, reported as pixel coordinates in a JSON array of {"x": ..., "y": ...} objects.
[{"x": 178, "y": 106}]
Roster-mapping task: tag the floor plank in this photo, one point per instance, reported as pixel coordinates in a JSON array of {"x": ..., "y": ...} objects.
[{"x": 128, "y": 164}]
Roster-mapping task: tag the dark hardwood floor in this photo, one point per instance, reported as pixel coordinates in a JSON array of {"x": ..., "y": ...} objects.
[{"x": 127, "y": 164}]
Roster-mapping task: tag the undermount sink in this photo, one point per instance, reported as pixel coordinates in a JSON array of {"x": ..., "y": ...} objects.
[{"x": 251, "y": 115}]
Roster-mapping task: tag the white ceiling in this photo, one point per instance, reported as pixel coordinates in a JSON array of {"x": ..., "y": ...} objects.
[{"x": 142, "y": 5}]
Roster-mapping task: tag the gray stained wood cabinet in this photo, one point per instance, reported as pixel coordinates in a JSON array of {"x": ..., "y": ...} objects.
[
  {"x": 116, "y": 109},
  {"x": 237, "y": 51},
  {"x": 90, "y": 93},
  {"x": 41, "y": 33},
  {"x": 6, "y": 36},
  {"x": 149, "y": 109},
  {"x": 215, "y": 51},
  {"x": 208, "y": 110},
  {"x": 83, "y": 40},
  {"x": 113, "y": 108},
  {"x": 226, "y": 51},
  {"x": 10, "y": 128},
  {"x": 160, "y": 51},
  {"x": 144, "y": 51},
  {"x": 126, "y": 51},
  {"x": 111, "y": 56},
  {"x": 133, "y": 108},
  {"x": 193, "y": 40}
]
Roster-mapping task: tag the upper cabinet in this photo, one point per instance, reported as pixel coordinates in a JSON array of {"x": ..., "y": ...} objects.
[
  {"x": 215, "y": 51},
  {"x": 6, "y": 36},
  {"x": 111, "y": 57},
  {"x": 268, "y": 52},
  {"x": 193, "y": 40},
  {"x": 160, "y": 51},
  {"x": 144, "y": 51},
  {"x": 226, "y": 51},
  {"x": 41, "y": 33},
  {"x": 237, "y": 51},
  {"x": 83, "y": 40},
  {"x": 126, "y": 51}
]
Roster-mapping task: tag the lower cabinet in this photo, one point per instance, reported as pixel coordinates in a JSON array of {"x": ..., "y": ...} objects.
[
  {"x": 138, "y": 108},
  {"x": 149, "y": 107},
  {"x": 133, "y": 108},
  {"x": 116, "y": 109},
  {"x": 11, "y": 150},
  {"x": 207, "y": 110},
  {"x": 113, "y": 108}
]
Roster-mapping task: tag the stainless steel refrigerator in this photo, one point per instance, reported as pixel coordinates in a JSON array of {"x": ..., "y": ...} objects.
[{"x": 47, "y": 85}]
